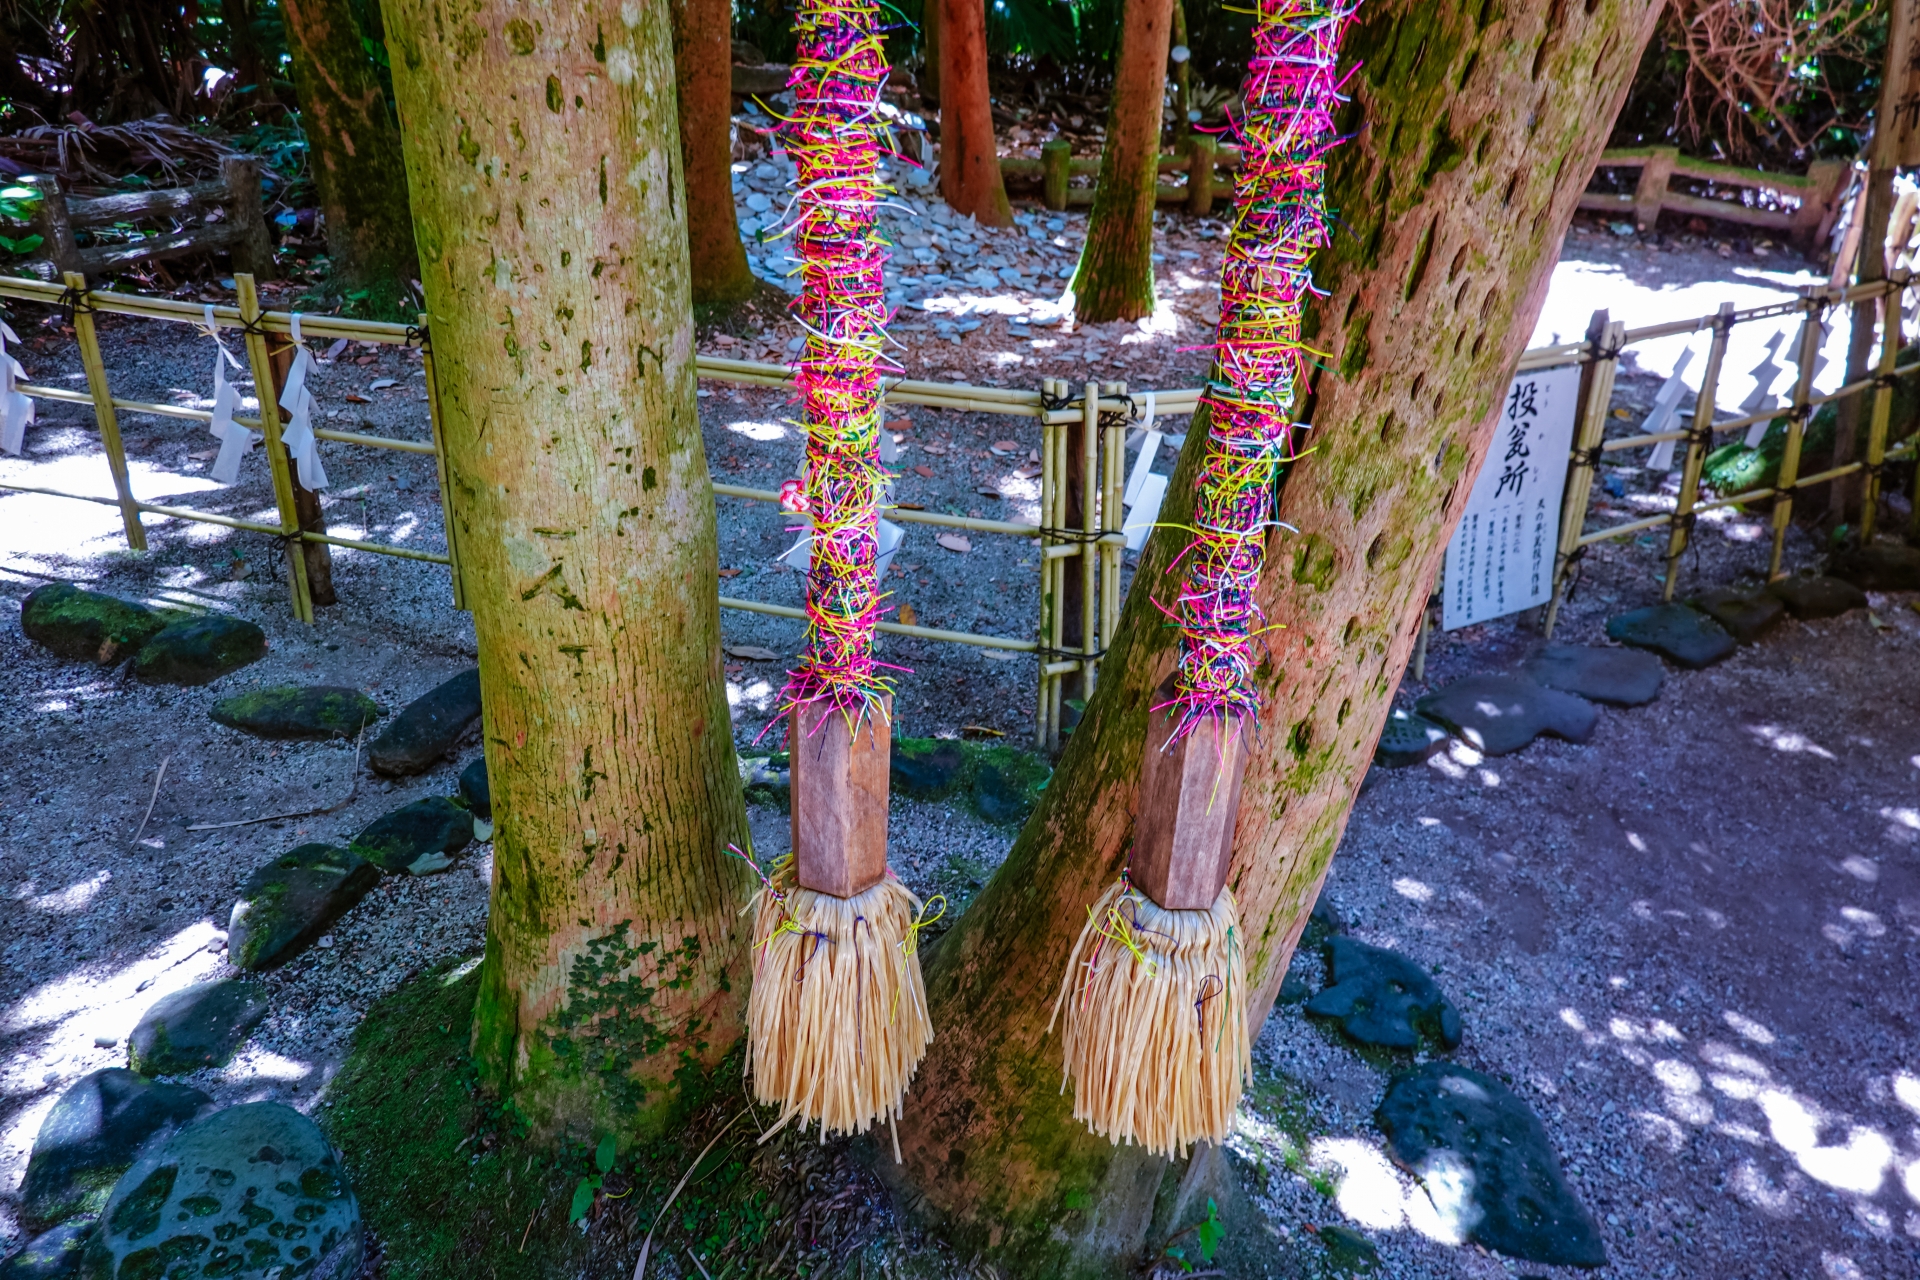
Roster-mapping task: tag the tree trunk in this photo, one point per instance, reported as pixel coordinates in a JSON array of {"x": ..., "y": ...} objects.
[
  {"x": 252, "y": 81},
  {"x": 1473, "y": 144},
  {"x": 703, "y": 65},
  {"x": 545, "y": 165},
  {"x": 969, "y": 158},
  {"x": 1115, "y": 279},
  {"x": 930, "y": 52},
  {"x": 353, "y": 141}
]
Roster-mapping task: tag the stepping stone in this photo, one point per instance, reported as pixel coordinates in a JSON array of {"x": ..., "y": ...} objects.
[
  {"x": 1618, "y": 677},
  {"x": 197, "y": 1026},
  {"x": 416, "y": 837},
  {"x": 998, "y": 797},
  {"x": 87, "y": 626},
  {"x": 1380, "y": 997},
  {"x": 1501, "y": 714},
  {"x": 199, "y": 650},
  {"x": 286, "y": 905},
  {"x": 1746, "y": 615},
  {"x": 926, "y": 768},
  {"x": 479, "y": 797},
  {"x": 92, "y": 1134},
  {"x": 1347, "y": 1250},
  {"x": 53, "y": 1256},
  {"x": 290, "y": 712},
  {"x": 1884, "y": 566},
  {"x": 1675, "y": 631},
  {"x": 1409, "y": 738},
  {"x": 1811, "y": 598},
  {"x": 428, "y": 728},
  {"x": 1467, "y": 1133},
  {"x": 253, "y": 1192}
]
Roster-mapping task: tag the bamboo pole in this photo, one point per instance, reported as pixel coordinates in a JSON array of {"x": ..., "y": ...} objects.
[
  {"x": 1882, "y": 413},
  {"x": 103, "y": 411},
  {"x": 1044, "y": 682},
  {"x": 1603, "y": 359},
  {"x": 1113, "y": 474},
  {"x": 263, "y": 385},
  {"x": 1090, "y": 529},
  {"x": 1699, "y": 441},
  {"x": 447, "y": 521},
  {"x": 1810, "y": 330},
  {"x": 1057, "y": 636}
]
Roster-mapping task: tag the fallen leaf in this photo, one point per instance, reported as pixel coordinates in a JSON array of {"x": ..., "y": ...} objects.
[
  {"x": 900, "y": 424},
  {"x": 936, "y": 448},
  {"x": 752, "y": 653},
  {"x": 909, "y": 506},
  {"x": 381, "y": 384},
  {"x": 339, "y": 345},
  {"x": 1028, "y": 472},
  {"x": 1005, "y": 447},
  {"x": 204, "y": 454},
  {"x": 366, "y": 359},
  {"x": 729, "y": 573},
  {"x": 723, "y": 339},
  {"x": 1000, "y": 655},
  {"x": 981, "y": 730},
  {"x": 357, "y": 399},
  {"x": 954, "y": 542},
  {"x": 991, "y": 493},
  {"x": 909, "y": 616},
  {"x": 925, "y": 473}
]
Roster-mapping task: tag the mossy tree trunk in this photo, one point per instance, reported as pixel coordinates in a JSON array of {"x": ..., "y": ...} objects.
[
  {"x": 703, "y": 65},
  {"x": 1474, "y": 140},
  {"x": 1115, "y": 278},
  {"x": 353, "y": 147},
  {"x": 930, "y": 52},
  {"x": 543, "y": 150},
  {"x": 970, "y": 178}
]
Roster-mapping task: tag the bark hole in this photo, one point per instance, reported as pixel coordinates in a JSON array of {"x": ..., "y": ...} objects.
[{"x": 1459, "y": 260}]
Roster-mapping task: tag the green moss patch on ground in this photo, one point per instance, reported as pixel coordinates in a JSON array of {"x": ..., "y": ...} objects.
[{"x": 453, "y": 1187}]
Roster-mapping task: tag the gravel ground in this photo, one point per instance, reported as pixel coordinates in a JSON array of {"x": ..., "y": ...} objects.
[{"x": 1687, "y": 943}]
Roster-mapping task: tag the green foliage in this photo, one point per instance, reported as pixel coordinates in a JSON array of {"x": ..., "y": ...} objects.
[{"x": 1207, "y": 1235}]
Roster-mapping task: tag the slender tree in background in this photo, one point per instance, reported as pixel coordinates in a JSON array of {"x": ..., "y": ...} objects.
[
  {"x": 969, "y": 157},
  {"x": 353, "y": 145},
  {"x": 703, "y": 67},
  {"x": 930, "y": 51},
  {"x": 1475, "y": 129},
  {"x": 1115, "y": 279},
  {"x": 545, "y": 163}
]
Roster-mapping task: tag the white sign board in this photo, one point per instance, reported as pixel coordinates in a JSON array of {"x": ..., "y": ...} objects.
[{"x": 1501, "y": 558}]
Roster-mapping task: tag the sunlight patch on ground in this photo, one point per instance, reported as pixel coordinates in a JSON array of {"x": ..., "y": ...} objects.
[
  {"x": 1374, "y": 1194},
  {"x": 1786, "y": 740}
]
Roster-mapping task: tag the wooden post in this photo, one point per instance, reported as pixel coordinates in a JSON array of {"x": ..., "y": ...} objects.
[
  {"x": 1650, "y": 192},
  {"x": 440, "y": 464},
  {"x": 1112, "y": 519},
  {"x": 1049, "y": 387},
  {"x": 252, "y": 246},
  {"x": 1202, "y": 149},
  {"x": 1827, "y": 184},
  {"x": 1882, "y": 411},
  {"x": 1089, "y": 443},
  {"x": 1057, "y": 639},
  {"x": 306, "y": 503},
  {"x": 1810, "y": 330},
  {"x": 54, "y": 224},
  {"x": 1182, "y": 56},
  {"x": 264, "y": 388},
  {"x": 1603, "y": 359},
  {"x": 103, "y": 410},
  {"x": 1189, "y": 797},
  {"x": 839, "y": 798},
  {"x": 1699, "y": 445},
  {"x": 1056, "y": 167}
]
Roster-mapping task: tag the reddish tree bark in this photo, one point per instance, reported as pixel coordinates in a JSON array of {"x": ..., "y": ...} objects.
[
  {"x": 703, "y": 70},
  {"x": 969, "y": 159},
  {"x": 1115, "y": 279}
]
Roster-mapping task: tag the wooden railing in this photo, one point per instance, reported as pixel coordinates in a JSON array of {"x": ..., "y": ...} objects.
[
  {"x": 1056, "y": 166},
  {"x": 242, "y": 231},
  {"x": 1815, "y": 197}
]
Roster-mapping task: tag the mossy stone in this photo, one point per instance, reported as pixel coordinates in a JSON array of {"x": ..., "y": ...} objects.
[
  {"x": 292, "y": 711},
  {"x": 1677, "y": 632},
  {"x": 1746, "y": 615},
  {"x": 1884, "y": 566},
  {"x": 474, "y": 789},
  {"x": 92, "y": 1134},
  {"x": 1380, "y": 997},
  {"x": 56, "y": 1255},
  {"x": 1810, "y": 598},
  {"x": 199, "y": 650},
  {"x": 286, "y": 905},
  {"x": 87, "y": 626},
  {"x": 1498, "y": 715},
  {"x": 927, "y": 768},
  {"x": 197, "y": 1026},
  {"x": 1408, "y": 738},
  {"x": 1618, "y": 677},
  {"x": 416, "y": 837},
  {"x": 428, "y": 727}
]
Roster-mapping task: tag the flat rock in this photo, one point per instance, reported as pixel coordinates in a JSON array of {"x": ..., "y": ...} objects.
[
  {"x": 1811, "y": 598},
  {"x": 286, "y": 905},
  {"x": 428, "y": 728},
  {"x": 199, "y": 650},
  {"x": 1746, "y": 615},
  {"x": 197, "y": 1026},
  {"x": 87, "y": 626},
  {"x": 998, "y": 797},
  {"x": 55, "y": 1255},
  {"x": 1501, "y": 714},
  {"x": 474, "y": 789},
  {"x": 92, "y": 1134},
  {"x": 416, "y": 837},
  {"x": 927, "y": 769},
  {"x": 1409, "y": 738},
  {"x": 1463, "y": 1131},
  {"x": 1618, "y": 677},
  {"x": 1381, "y": 997},
  {"x": 253, "y": 1192},
  {"x": 1674, "y": 631},
  {"x": 292, "y": 712},
  {"x": 1884, "y": 566}
]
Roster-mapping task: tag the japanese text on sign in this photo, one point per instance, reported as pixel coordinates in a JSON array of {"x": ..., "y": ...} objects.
[{"x": 1501, "y": 558}]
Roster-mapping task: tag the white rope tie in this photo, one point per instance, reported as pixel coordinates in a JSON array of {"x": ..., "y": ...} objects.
[
  {"x": 16, "y": 408},
  {"x": 298, "y": 435}
]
